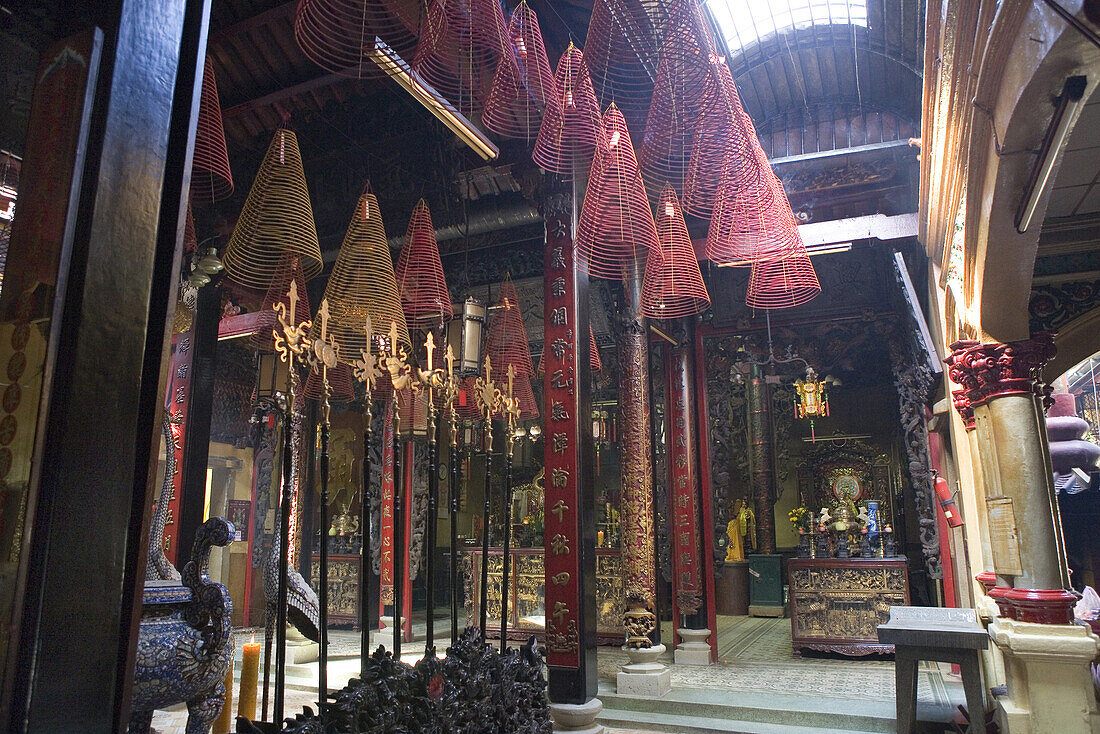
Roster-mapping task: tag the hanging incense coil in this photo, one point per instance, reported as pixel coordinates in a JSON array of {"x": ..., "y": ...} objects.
[
  {"x": 783, "y": 282},
  {"x": 190, "y": 236},
  {"x": 673, "y": 286},
  {"x": 339, "y": 35},
  {"x": 263, "y": 338},
  {"x": 570, "y": 131},
  {"x": 211, "y": 176},
  {"x": 677, "y": 96},
  {"x": 424, "y": 295},
  {"x": 340, "y": 382},
  {"x": 616, "y": 225},
  {"x": 363, "y": 285},
  {"x": 525, "y": 394},
  {"x": 718, "y": 136},
  {"x": 621, "y": 52},
  {"x": 276, "y": 221},
  {"x": 469, "y": 409},
  {"x": 752, "y": 219},
  {"x": 523, "y": 85},
  {"x": 461, "y": 44},
  {"x": 506, "y": 344}
]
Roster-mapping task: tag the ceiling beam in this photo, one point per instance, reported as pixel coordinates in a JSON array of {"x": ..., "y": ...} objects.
[
  {"x": 281, "y": 95},
  {"x": 279, "y": 12}
]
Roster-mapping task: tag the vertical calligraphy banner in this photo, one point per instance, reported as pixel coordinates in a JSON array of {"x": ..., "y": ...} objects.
[
  {"x": 176, "y": 402},
  {"x": 569, "y": 523},
  {"x": 385, "y": 593},
  {"x": 683, "y": 480}
]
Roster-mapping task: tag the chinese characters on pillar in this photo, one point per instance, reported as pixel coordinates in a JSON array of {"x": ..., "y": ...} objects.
[
  {"x": 562, "y": 452},
  {"x": 386, "y": 558},
  {"x": 687, "y": 580}
]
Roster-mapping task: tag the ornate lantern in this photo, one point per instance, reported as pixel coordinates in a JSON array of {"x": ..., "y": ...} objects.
[
  {"x": 812, "y": 401},
  {"x": 464, "y": 333}
]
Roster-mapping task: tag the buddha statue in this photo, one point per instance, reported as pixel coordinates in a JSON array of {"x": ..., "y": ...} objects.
[{"x": 742, "y": 524}]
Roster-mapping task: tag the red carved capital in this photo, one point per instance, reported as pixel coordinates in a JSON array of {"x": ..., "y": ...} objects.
[
  {"x": 965, "y": 409},
  {"x": 998, "y": 594},
  {"x": 987, "y": 579},
  {"x": 994, "y": 370},
  {"x": 1043, "y": 606}
]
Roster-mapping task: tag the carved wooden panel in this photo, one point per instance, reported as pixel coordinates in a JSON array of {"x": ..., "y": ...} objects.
[{"x": 343, "y": 588}]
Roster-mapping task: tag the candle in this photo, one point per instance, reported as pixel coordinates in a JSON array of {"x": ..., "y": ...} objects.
[
  {"x": 250, "y": 670},
  {"x": 224, "y": 723}
]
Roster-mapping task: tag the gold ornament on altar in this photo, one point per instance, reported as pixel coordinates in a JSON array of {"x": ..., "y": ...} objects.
[
  {"x": 344, "y": 524},
  {"x": 811, "y": 399}
]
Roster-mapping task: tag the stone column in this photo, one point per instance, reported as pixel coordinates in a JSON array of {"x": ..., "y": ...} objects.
[
  {"x": 760, "y": 455},
  {"x": 1046, "y": 657}
]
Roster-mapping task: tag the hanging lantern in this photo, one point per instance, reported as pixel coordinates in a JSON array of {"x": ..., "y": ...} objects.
[
  {"x": 811, "y": 399},
  {"x": 783, "y": 282},
  {"x": 464, "y": 333},
  {"x": 420, "y": 280},
  {"x": 621, "y": 60}
]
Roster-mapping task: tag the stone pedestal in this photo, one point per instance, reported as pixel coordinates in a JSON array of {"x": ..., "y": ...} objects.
[
  {"x": 300, "y": 650},
  {"x": 1049, "y": 680},
  {"x": 577, "y": 718},
  {"x": 694, "y": 648},
  {"x": 645, "y": 675},
  {"x": 993, "y": 662},
  {"x": 732, "y": 589}
]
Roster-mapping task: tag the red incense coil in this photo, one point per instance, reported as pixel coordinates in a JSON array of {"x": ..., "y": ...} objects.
[
  {"x": 339, "y": 35},
  {"x": 339, "y": 382},
  {"x": 263, "y": 338},
  {"x": 718, "y": 137},
  {"x": 461, "y": 43},
  {"x": 783, "y": 282},
  {"x": 424, "y": 295},
  {"x": 571, "y": 130},
  {"x": 211, "y": 176},
  {"x": 363, "y": 285},
  {"x": 190, "y": 238},
  {"x": 522, "y": 390},
  {"x": 752, "y": 219},
  {"x": 616, "y": 225},
  {"x": 469, "y": 411},
  {"x": 506, "y": 344},
  {"x": 276, "y": 221},
  {"x": 673, "y": 286},
  {"x": 523, "y": 85},
  {"x": 677, "y": 96}
]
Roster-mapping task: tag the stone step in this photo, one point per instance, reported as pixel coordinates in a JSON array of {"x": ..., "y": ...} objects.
[{"x": 649, "y": 721}]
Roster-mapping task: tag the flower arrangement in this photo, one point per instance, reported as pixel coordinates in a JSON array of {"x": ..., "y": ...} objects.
[{"x": 800, "y": 518}]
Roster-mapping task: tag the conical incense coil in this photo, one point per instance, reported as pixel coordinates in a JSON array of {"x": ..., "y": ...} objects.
[
  {"x": 190, "y": 237},
  {"x": 506, "y": 344},
  {"x": 277, "y": 220},
  {"x": 339, "y": 35},
  {"x": 570, "y": 131},
  {"x": 752, "y": 219},
  {"x": 424, "y": 295},
  {"x": 616, "y": 225},
  {"x": 363, "y": 286},
  {"x": 523, "y": 87},
  {"x": 673, "y": 286},
  {"x": 211, "y": 177},
  {"x": 467, "y": 410},
  {"x": 525, "y": 394},
  {"x": 783, "y": 282},
  {"x": 718, "y": 138},
  {"x": 461, "y": 44},
  {"x": 340, "y": 382},
  {"x": 677, "y": 96},
  {"x": 263, "y": 338}
]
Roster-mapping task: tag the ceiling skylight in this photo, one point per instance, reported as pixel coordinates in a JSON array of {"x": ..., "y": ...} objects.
[{"x": 744, "y": 23}]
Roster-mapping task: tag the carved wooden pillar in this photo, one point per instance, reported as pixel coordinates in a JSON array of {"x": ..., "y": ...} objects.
[
  {"x": 636, "y": 469},
  {"x": 687, "y": 564},
  {"x": 1003, "y": 387},
  {"x": 570, "y": 531},
  {"x": 760, "y": 457}
]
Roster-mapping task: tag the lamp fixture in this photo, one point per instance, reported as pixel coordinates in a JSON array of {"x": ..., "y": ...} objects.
[
  {"x": 464, "y": 336},
  {"x": 812, "y": 250},
  {"x": 1065, "y": 108},
  {"x": 399, "y": 70}
]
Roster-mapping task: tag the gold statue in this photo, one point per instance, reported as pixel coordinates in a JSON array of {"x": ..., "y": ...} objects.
[{"x": 743, "y": 524}]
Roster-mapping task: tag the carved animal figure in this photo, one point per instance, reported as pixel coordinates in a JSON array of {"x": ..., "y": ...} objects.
[
  {"x": 157, "y": 566},
  {"x": 185, "y": 641}
]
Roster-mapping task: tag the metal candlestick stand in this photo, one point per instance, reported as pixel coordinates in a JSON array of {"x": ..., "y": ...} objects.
[
  {"x": 510, "y": 406},
  {"x": 289, "y": 344},
  {"x": 397, "y": 365},
  {"x": 488, "y": 397},
  {"x": 366, "y": 371},
  {"x": 454, "y": 509}
]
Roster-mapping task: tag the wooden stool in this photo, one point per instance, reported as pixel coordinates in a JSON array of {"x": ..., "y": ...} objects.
[{"x": 942, "y": 635}]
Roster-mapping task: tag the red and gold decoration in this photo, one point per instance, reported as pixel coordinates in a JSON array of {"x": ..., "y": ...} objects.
[
  {"x": 570, "y": 130},
  {"x": 811, "y": 399},
  {"x": 616, "y": 226},
  {"x": 386, "y": 581},
  {"x": 594, "y": 352},
  {"x": 523, "y": 85},
  {"x": 683, "y": 480},
  {"x": 339, "y": 35},
  {"x": 424, "y": 295},
  {"x": 211, "y": 176},
  {"x": 673, "y": 286},
  {"x": 276, "y": 221},
  {"x": 291, "y": 271}
]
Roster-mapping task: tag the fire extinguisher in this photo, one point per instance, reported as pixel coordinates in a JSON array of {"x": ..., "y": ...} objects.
[{"x": 947, "y": 503}]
